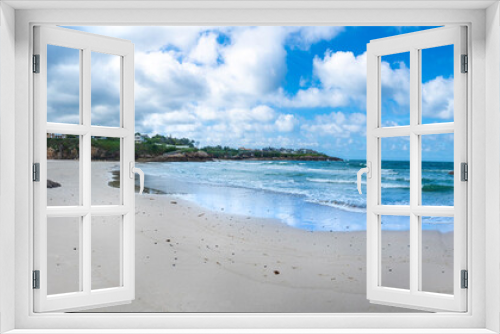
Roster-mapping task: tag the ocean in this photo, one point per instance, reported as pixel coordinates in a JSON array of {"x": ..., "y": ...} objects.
[{"x": 310, "y": 195}]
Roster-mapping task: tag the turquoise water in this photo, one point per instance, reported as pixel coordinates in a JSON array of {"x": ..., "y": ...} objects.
[{"x": 310, "y": 195}]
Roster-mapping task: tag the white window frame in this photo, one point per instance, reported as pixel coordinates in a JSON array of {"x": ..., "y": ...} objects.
[
  {"x": 483, "y": 148},
  {"x": 414, "y": 296},
  {"x": 86, "y": 44}
]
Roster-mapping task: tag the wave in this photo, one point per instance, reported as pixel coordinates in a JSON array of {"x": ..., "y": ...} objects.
[
  {"x": 346, "y": 206},
  {"x": 332, "y": 181},
  {"x": 437, "y": 188}
]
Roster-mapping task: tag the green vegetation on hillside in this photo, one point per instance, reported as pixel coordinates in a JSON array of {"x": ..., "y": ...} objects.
[{"x": 106, "y": 148}]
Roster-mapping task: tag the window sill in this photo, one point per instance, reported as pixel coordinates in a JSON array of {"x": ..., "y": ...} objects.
[{"x": 252, "y": 331}]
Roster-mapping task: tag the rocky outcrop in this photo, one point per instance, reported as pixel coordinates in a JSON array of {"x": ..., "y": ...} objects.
[
  {"x": 202, "y": 156},
  {"x": 199, "y": 156},
  {"x": 52, "y": 184},
  {"x": 61, "y": 153}
]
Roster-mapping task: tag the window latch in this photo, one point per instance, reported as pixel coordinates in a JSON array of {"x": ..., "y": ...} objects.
[
  {"x": 368, "y": 171},
  {"x": 133, "y": 170}
]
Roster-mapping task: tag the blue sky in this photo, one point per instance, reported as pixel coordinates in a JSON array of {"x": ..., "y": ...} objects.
[{"x": 258, "y": 86}]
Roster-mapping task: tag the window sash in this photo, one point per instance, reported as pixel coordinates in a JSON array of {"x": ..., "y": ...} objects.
[
  {"x": 86, "y": 297},
  {"x": 414, "y": 297}
]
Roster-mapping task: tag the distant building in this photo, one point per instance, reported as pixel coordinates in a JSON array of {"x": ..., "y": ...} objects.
[
  {"x": 140, "y": 138},
  {"x": 56, "y": 135}
]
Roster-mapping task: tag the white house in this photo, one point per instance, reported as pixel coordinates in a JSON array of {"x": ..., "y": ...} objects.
[{"x": 139, "y": 138}]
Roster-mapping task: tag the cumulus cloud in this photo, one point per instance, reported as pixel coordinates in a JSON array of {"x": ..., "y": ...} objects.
[
  {"x": 304, "y": 37},
  {"x": 336, "y": 124},
  {"x": 248, "y": 126},
  {"x": 206, "y": 50},
  {"x": 285, "y": 123},
  {"x": 342, "y": 82},
  {"x": 224, "y": 85},
  {"x": 437, "y": 98},
  {"x": 395, "y": 83}
]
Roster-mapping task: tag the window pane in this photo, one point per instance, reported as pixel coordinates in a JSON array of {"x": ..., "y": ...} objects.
[
  {"x": 437, "y": 170},
  {"x": 106, "y": 252},
  {"x": 395, "y": 244},
  {"x": 437, "y": 254},
  {"x": 437, "y": 84},
  {"x": 106, "y": 71},
  {"x": 63, "y": 85},
  {"x": 395, "y": 171},
  {"x": 395, "y": 90},
  {"x": 63, "y": 169},
  {"x": 106, "y": 171},
  {"x": 63, "y": 255}
]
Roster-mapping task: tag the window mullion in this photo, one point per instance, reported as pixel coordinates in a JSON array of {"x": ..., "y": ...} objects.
[
  {"x": 414, "y": 171},
  {"x": 86, "y": 178}
]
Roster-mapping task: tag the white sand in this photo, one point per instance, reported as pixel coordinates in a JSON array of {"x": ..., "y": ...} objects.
[{"x": 189, "y": 259}]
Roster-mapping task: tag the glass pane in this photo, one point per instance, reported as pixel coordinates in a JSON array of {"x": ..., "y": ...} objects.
[
  {"x": 395, "y": 90},
  {"x": 437, "y": 254},
  {"x": 395, "y": 171},
  {"x": 395, "y": 244},
  {"x": 106, "y": 251},
  {"x": 63, "y": 255},
  {"x": 437, "y": 170},
  {"x": 106, "y": 171},
  {"x": 63, "y": 169},
  {"x": 437, "y": 84},
  {"x": 105, "y": 90},
  {"x": 63, "y": 85}
]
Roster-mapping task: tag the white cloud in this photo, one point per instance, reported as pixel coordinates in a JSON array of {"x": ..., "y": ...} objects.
[
  {"x": 437, "y": 98},
  {"x": 254, "y": 127},
  {"x": 206, "y": 51},
  {"x": 304, "y": 37},
  {"x": 190, "y": 85},
  {"x": 336, "y": 124},
  {"x": 342, "y": 82},
  {"x": 253, "y": 67},
  {"x": 285, "y": 123},
  {"x": 395, "y": 83},
  {"x": 147, "y": 39}
]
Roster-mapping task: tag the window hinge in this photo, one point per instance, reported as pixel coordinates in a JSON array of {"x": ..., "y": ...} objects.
[
  {"x": 465, "y": 64},
  {"x": 36, "y": 63},
  {"x": 464, "y": 171},
  {"x": 36, "y": 172},
  {"x": 465, "y": 279},
  {"x": 36, "y": 279}
]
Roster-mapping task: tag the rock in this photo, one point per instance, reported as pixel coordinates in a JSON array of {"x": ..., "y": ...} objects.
[
  {"x": 52, "y": 184},
  {"x": 451, "y": 173},
  {"x": 202, "y": 154}
]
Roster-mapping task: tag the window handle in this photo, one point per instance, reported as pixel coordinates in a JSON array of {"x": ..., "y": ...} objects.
[
  {"x": 134, "y": 170},
  {"x": 368, "y": 171}
]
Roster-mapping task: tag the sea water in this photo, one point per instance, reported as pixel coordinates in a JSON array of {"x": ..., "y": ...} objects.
[{"x": 310, "y": 195}]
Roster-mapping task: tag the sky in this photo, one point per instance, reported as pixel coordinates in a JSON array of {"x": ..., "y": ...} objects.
[{"x": 254, "y": 87}]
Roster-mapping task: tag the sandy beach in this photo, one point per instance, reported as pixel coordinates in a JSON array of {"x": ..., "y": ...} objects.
[{"x": 190, "y": 259}]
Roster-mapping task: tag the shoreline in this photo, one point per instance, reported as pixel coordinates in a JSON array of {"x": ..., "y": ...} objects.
[{"x": 187, "y": 158}]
